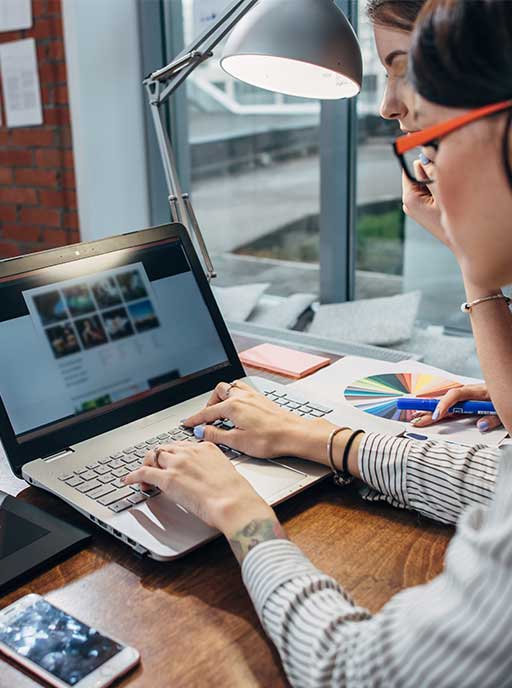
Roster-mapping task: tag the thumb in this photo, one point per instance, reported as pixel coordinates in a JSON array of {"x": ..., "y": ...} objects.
[{"x": 210, "y": 433}]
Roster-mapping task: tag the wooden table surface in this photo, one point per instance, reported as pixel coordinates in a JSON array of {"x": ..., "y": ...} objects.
[{"x": 192, "y": 619}]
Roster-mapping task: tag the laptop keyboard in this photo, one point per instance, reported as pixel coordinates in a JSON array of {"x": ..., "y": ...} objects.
[{"x": 102, "y": 482}]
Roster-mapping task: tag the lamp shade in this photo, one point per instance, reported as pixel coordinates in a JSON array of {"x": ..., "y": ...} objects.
[{"x": 304, "y": 48}]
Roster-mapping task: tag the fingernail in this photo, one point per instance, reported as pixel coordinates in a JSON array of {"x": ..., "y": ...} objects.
[
  {"x": 435, "y": 415},
  {"x": 423, "y": 159},
  {"x": 415, "y": 420},
  {"x": 483, "y": 426},
  {"x": 199, "y": 431},
  {"x": 183, "y": 420}
]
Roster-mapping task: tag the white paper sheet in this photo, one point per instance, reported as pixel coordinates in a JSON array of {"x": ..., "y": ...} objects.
[
  {"x": 15, "y": 15},
  {"x": 330, "y": 383},
  {"x": 20, "y": 81}
]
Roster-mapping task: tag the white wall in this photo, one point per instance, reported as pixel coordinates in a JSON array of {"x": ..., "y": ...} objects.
[{"x": 106, "y": 100}]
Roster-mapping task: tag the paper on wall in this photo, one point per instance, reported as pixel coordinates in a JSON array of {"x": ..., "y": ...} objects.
[
  {"x": 330, "y": 383},
  {"x": 15, "y": 15},
  {"x": 20, "y": 81}
]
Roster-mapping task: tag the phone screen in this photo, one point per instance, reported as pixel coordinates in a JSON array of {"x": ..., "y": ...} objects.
[{"x": 57, "y": 642}]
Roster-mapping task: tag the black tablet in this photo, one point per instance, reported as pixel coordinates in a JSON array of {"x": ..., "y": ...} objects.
[{"x": 30, "y": 538}]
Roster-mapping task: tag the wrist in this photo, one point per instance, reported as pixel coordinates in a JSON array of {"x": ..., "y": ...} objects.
[{"x": 233, "y": 512}]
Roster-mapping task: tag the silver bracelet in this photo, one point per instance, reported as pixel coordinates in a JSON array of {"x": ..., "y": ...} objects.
[{"x": 467, "y": 306}]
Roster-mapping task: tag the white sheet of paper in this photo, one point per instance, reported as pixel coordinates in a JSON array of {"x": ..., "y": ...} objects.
[
  {"x": 20, "y": 81},
  {"x": 206, "y": 12},
  {"x": 15, "y": 14},
  {"x": 330, "y": 383}
]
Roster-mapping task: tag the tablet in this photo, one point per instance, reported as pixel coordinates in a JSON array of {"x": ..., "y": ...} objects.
[{"x": 29, "y": 538}]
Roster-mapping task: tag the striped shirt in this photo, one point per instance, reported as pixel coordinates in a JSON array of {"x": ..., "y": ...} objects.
[{"x": 454, "y": 631}]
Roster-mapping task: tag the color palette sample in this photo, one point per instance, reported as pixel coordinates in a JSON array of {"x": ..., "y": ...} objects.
[{"x": 377, "y": 394}]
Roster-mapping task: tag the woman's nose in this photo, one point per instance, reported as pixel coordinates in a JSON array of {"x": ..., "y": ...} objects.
[{"x": 392, "y": 107}]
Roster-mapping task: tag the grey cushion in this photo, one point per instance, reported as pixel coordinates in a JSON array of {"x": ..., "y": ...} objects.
[
  {"x": 282, "y": 313},
  {"x": 455, "y": 354},
  {"x": 382, "y": 321},
  {"x": 237, "y": 303}
]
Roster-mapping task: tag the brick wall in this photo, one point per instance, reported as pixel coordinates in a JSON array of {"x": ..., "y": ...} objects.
[{"x": 38, "y": 207}]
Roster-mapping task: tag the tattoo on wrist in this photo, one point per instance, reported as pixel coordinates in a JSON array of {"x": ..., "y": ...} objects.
[{"x": 256, "y": 531}]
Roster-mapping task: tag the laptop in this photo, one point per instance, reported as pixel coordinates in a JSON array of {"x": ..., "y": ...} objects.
[{"x": 104, "y": 347}]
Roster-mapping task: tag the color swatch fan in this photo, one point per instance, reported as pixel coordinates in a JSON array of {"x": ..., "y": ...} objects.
[{"x": 378, "y": 394}]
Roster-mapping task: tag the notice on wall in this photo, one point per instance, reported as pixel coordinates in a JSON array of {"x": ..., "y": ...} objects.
[
  {"x": 206, "y": 13},
  {"x": 15, "y": 15},
  {"x": 20, "y": 81}
]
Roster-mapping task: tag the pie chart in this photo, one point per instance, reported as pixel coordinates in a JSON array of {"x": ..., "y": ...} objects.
[{"x": 378, "y": 394}]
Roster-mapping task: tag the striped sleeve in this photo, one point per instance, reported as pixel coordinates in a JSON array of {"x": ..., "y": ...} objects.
[
  {"x": 454, "y": 631},
  {"x": 437, "y": 479}
]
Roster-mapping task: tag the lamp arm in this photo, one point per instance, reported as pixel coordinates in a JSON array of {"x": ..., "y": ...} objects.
[{"x": 160, "y": 85}]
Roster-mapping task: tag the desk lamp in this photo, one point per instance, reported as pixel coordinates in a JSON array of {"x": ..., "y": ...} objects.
[{"x": 304, "y": 48}]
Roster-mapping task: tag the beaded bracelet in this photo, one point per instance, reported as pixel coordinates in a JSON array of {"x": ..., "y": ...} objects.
[{"x": 467, "y": 306}]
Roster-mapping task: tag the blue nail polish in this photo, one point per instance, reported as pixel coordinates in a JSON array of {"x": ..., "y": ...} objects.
[
  {"x": 423, "y": 159},
  {"x": 483, "y": 426},
  {"x": 199, "y": 431},
  {"x": 435, "y": 415}
]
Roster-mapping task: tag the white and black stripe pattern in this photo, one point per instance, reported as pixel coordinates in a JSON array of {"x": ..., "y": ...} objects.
[
  {"x": 453, "y": 632},
  {"x": 438, "y": 479}
]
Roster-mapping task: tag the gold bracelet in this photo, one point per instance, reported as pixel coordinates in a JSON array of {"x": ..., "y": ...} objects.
[{"x": 467, "y": 306}]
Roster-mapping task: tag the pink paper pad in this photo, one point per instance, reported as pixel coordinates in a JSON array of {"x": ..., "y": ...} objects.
[{"x": 279, "y": 359}]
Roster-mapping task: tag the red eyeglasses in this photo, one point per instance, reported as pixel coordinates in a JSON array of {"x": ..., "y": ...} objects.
[{"x": 408, "y": 148}]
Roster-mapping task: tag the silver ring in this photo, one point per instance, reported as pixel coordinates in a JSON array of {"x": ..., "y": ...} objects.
[
  {"x": 231, "y": 385},
  {"x": 157, "y": 451}
]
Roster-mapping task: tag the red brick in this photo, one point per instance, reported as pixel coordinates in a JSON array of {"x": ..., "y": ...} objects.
[
  {"x": 4, "y": 138},
  {"x": 55, "y": 50},
  {"x": 32, "y": 136},
  {"x": 8, "y": 250},
  {"x": 21, "y": 233},
  {"x": 66, "y": 140},
  {"x": 57, "y": 27},
  {"x": 57, "y": 115},
  {"x": 52, "y": 73},
  {"x": 54, "y": 7},
  {"x": 68, "y": 179},
  {"x": 18, "y": 195},
  {"x": 43, "y": 28},
  {"x": 7, "y": 213},
  {"x": 60, "y": 95},
  {"x": 74, "y": 236},
  {"x": 47, "y": 95},
  {"x": 49, "y": 157},
  {"x": 58, "y": 199},
  {"x": 33, "y": 177},
  {"x": 69, "y": 162},
  {"x": 12, "y": 36},
  {"x": 16, "y": 158},
  {"x": 55, "y": 237},
  {"x": 40, "y": 216},
  {"x": 5, "y": 175},
  {"x": 39, "y": 8},
  {"x": 71, "y": 220}
]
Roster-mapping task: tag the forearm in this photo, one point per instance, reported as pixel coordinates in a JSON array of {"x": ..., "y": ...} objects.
[
  {"x": 437, "y": 479},
  {"x": 492, "y": 328}
]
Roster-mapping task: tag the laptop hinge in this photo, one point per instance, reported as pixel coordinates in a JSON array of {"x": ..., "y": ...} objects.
[{"x": 59, "y": 455}]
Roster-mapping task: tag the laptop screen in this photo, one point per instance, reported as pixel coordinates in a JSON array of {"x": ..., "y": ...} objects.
[{"x": 83, "y": 338}]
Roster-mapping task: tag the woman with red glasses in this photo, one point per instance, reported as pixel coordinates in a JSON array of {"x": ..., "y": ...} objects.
[{"x": 454, "y": 631}]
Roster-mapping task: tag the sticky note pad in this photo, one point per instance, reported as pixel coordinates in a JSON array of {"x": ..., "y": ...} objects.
[{"x": 280, "y": 359}]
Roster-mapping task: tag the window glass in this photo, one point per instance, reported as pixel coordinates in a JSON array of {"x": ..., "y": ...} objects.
[{"x": 254, "y": 159}]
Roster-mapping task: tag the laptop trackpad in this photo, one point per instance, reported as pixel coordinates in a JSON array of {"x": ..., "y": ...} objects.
[{"x": 269, "y": 479}]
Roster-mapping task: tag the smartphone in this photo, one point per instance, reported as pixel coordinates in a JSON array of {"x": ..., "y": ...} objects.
[{"x": 60, "y": 649}]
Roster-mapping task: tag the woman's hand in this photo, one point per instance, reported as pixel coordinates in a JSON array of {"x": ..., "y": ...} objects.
[
  {"x": 262, "y": 429},
  {"x": 202, "y": 480},
  {"x": 464, "y": 393},
  {"x": 420, "y": 204}
]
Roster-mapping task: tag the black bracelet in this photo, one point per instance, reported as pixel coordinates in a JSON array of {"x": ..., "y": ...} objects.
[{"x": 344, "y": 477}]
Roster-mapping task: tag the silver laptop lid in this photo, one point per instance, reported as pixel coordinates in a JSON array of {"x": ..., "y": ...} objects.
[{"x": 96, "y": 335}]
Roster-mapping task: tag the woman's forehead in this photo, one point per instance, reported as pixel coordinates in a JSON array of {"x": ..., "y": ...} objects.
[{"x": 391, "y": 42}]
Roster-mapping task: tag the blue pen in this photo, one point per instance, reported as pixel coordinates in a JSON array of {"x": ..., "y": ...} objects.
[{"x": 479, "y": 408}]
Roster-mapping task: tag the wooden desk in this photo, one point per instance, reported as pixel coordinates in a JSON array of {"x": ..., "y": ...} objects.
[{"x": 192, "y": 619}]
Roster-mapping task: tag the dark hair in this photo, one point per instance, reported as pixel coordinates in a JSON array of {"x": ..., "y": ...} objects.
[
  {"x": 461, "y": 56},
  {"x": 395, "y": 14}
]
